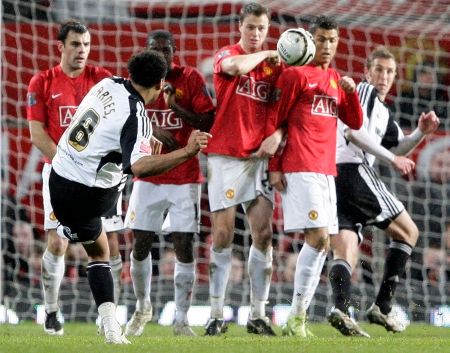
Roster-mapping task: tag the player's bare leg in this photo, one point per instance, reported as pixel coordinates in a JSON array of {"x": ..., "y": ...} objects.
[
  {"x": 53, "y": 268},
  {"x": 260, "y": 265},
  {"x": 184, "y": 280},
  {"x": 141, "y": 274}
]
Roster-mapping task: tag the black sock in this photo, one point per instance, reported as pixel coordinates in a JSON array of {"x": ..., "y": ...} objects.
[
  {"x": 101, "y": 281},
  {"x": 394, "y": 268},
  {"x": 340, "y": 278}
]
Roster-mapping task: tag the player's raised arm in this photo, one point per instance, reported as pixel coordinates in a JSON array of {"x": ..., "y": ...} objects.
[
  {"x": 350, "y": 111},
  {"x": 243, "y": 64}
]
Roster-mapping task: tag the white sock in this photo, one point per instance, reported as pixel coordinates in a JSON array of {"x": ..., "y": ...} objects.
[
  {"x": 323, "y": 257},
  {"x": 184, "y": 279},
  {"x": 116, "y": 270},
  {"x": 107, "y": 312},
  {"x": 305, "y": 280},
  {"x": 219, "y": 272},
  {"x": 141, "y": 274},
  {"x": 53, "y": 268},
  {"x": 260, "y": 273}
]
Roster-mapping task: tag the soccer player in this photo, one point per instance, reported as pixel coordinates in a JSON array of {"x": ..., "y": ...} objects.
[
  {"x": 110, "y": 135},
  {"x": 173, "y": 206},
  {"x": 309, "y": 100},
  {"x": 53, "y": 97},
  {"x": 244, "y": 75},
  {"x": 363, "y": 199}
]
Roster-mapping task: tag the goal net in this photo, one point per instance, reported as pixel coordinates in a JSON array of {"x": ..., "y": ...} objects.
[{"x": 417, "y": 32}]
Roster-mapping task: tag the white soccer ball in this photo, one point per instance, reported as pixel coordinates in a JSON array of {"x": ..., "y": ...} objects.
[{"x": 296, "y": 47}]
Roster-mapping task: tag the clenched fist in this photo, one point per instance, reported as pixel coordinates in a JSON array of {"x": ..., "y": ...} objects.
[{"x": 197, "y": 142}]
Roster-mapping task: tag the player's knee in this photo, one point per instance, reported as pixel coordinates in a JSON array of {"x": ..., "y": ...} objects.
[
  {"x": 222, "y": 238},
  {"x": 413, "y": 235},
  {"x": 55, "y": 244},
  {"x": 318, "y": 240},
  {"x": 408, "y": 233},
  {"x": 184, "y": 246},
  {"x": 263, "y": 238}
]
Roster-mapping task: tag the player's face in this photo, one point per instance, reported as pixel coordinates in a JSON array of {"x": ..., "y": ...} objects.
[
  {"x": 253, "y": 32},
  {"x": 164, "y": 46},
  {"x": 382, "y": 74},
  {"x": 75, "y": 50},
  {"x": 326, "y": 41}
]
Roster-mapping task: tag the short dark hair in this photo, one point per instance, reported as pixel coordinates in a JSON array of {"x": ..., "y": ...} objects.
[
  {"x": 70, "y": 25},
  {"x": 253, "y": 8},
  {"x": 161, "y": 34},
  {"x": 147, "y": 68},
  {"x": 323, "y": 22},
  {"x": 380, "y": 52}
]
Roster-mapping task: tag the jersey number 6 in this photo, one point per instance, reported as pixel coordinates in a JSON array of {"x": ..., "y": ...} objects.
[{"x": 80, "y": 133}]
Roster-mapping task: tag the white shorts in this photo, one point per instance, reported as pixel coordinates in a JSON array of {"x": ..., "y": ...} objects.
[
  {"x": 233, "y": 181},
  {"x": 150, "y": 202},
  {"x": 111, "y": 224},
  {"x": 309, "y": 201},
  {"x": 50, "y": 221}
]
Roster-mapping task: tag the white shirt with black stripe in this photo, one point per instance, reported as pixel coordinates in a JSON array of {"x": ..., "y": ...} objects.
[
  {"x": 378, "y": 122},
  {"x": 109, "y": 132}
]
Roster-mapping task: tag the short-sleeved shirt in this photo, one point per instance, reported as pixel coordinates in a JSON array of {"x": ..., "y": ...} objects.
[
  {"x": 191, "y": 94},
  {"x": 109, "y": 132},
  {"x": 241, "y": 112},
  {"x": 308, "y": 100},
  {"x": 53, "y": 97},
  {"x": 378, "y": 122}
]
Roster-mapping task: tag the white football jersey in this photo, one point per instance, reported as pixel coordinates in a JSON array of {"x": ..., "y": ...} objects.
[
  {"x": 109, "y": 132},
  {"x": 379, "y": 123}
]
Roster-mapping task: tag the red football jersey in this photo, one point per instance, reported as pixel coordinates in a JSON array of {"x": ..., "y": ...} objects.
[
  {"x": 191, "y": 94},
  {"x": 309, "y": 100},
  {"x": 241, "y": 112},
  {"x": 53, "y": 97}
]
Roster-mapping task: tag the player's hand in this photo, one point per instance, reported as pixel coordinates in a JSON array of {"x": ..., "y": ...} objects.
[
  {"x": 403, "y": 164},
  {"x": 197, "y": 142},
  {"x": 156, "y": 145},
  {"x": 269, "y": 146},
  {"x": 169, "y": 94},
  {"x": 347, "y": 84},
  {"x": 278, "y": 181},
  {"x": 272, "y": 57},
  {"x": 428, "y": 122}
]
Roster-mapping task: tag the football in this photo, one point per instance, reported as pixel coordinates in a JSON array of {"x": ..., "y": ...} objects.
[{"x": 296, "y": 47}]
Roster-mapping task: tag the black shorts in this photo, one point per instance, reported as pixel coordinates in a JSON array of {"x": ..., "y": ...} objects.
[
  {"x": 362, "y": 198},
  {"x": 79, "y": 208}
]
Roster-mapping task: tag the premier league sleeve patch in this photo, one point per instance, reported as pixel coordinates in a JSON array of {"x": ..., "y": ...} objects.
[
  {"x": 145, "y": 147},
  {"x": 31, "y": 99},
  {"x": 223, "y": 54}
]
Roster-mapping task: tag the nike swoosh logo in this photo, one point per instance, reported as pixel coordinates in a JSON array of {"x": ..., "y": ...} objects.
[
  {"x": 56, "y": 95},
  {"x": 312, "y": 85}
]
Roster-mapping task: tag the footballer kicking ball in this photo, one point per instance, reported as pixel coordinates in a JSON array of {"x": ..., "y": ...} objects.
[{"x": 296, "y": 47}]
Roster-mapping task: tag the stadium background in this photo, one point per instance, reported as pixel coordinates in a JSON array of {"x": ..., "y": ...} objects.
[{"x": 417, "y": 32}]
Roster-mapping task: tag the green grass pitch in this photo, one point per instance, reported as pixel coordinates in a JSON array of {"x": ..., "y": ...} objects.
[{"x": 28, "y": 337}]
